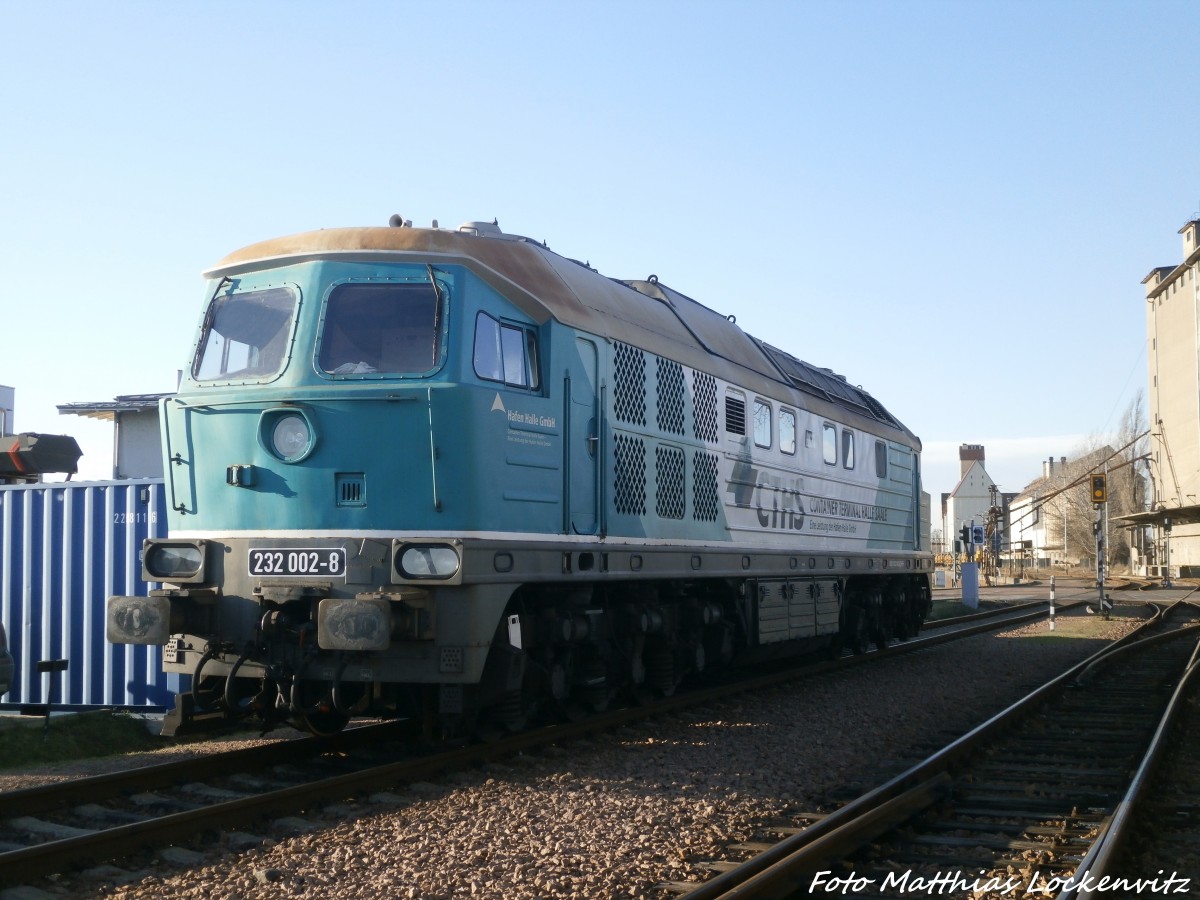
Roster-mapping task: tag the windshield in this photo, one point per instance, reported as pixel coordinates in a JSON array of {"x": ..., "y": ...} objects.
[
  {"x": 245, "y": 335},
  {"x": 387, "y": 328}
]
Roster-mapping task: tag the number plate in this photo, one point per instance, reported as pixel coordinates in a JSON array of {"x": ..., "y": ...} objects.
[{"x": 297, "y": 562}]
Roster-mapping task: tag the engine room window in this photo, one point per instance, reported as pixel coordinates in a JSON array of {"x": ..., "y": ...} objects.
[
  {"x": 505, "y": 352},
  {"x": 787, "y": 431},
  {"x": 829, "y": 443},
  {"x": 245, "y": 335},
  {"x": 389, "y": 328},
  {"x": 880, "y": 459},
  {"x": 762, "y": 424},
  {"x": 847, "y": 448}
]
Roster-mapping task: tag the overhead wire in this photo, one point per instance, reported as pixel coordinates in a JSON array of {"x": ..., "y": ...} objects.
[{"x": 1084, "y": 477}]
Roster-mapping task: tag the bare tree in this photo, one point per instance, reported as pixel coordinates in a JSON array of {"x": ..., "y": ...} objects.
[
  {"x": 1129, "y": 483},
  {"x": 1069, "y": 508}
]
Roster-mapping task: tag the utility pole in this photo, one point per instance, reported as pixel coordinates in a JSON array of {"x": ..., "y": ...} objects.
[
  {"x": 1100, "y": 504},
  {"x": 1105, "y": 508},
  {"x": 1167, "y": 552},
  {"x": 994, "y": 529}
]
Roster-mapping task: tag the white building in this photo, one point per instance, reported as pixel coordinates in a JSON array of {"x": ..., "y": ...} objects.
[
  {"x": 7, "y": 403},
  {"x": 970, "y": 501},
  {"x": 137, "y": 447},
  {"x": 1036, "y": 519},
  {"x": 1173, "y": 353},
  {"x": 1054, "y": 520}
]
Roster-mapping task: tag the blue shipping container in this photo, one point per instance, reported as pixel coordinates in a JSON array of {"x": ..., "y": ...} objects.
[{"x": 64, "y": 549}]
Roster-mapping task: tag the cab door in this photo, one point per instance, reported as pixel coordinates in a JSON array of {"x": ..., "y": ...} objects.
[{"x": 582, "y": 464}]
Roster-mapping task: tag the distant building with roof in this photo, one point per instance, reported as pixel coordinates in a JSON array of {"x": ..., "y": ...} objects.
[
  {"x": 7, "y": 403},
  {"x": 1173, "y": 347},
  {"x": 1052, "y": 521},
  {"x": 972, "y": 498},
  {"x": 137, "y": 444}
]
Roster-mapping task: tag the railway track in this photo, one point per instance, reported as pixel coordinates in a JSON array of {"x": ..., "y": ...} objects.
[
  {"x": 69, "y": 825},
  {"x": 1156, "y": 834},
  {"x": 1043, "y": 790}
]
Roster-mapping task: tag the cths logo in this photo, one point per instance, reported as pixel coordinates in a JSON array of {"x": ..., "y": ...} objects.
[
  {"x": 776, "y": 500},
  {"x": 786, "y": 512}
]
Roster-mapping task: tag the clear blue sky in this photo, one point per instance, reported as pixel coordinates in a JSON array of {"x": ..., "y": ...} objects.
[{"x": 951, "y": 203}]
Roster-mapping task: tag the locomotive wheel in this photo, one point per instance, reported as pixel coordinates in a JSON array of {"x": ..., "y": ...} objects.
[
  {"x": 314, "y": 707},
  {"x": 879, "y": 629},
  {"x": 908, "y": 622},
  {"x": 346, "y": 695},
  {"x": 512, "y": 712},
  {"x": 662, "y": 675},
  {"x": 855, "y": 629},
  {"x": 322, "y": 723}
]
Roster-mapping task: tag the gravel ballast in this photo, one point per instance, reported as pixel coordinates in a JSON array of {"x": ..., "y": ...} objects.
[{"x": 625, "y": 812}]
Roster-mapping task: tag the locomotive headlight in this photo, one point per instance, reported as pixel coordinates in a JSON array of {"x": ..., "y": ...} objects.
[
  {"x": 173, "y": 560},
  {"x": 427, "y": 562},
  {"x": 290, "y": 436},
  {"x": 288, "y": 433}
]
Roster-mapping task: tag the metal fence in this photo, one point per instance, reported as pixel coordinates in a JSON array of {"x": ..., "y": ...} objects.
[{"x": 64, "y": 549}]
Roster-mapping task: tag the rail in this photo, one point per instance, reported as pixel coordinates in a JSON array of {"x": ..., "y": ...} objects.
[
  {"x": 20, "y": 865},
  {"x": 781, "y": 869}
]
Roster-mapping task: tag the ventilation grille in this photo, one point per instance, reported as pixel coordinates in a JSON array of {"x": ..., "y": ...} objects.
[
  {"x": 704, "y": 402},
  {"x": 630, "y": 488},
  {"x": 670, "y": 396},
  {"x": 704, "y": 487},
  {"x": 669, "y": 501},
  {"x": 450, "y": 660},
  {"x": 735, "y": 415},
  {"x": 351, "y": 488},
  {"x": 630, "y": 399}
]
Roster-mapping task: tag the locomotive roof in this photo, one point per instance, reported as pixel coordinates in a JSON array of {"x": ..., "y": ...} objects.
[{"x": 642, "y": 313}]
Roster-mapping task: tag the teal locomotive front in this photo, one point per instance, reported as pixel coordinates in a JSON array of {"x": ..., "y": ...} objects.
[{"x": 454, "y": 474}]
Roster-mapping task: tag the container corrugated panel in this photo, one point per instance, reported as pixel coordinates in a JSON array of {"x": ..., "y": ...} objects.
[{"x": 64, "y": 549}]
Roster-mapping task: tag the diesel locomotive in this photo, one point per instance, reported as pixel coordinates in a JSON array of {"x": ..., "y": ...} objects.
[{"x": 453, "y": 474}]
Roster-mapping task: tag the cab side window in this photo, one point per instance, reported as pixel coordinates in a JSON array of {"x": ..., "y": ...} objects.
[
  {"x": 762, "y": 424},
  {"x": 505, "y": 352},
  {"x": 787, "y": 431},
  {"x": 829, "y": 447}
]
